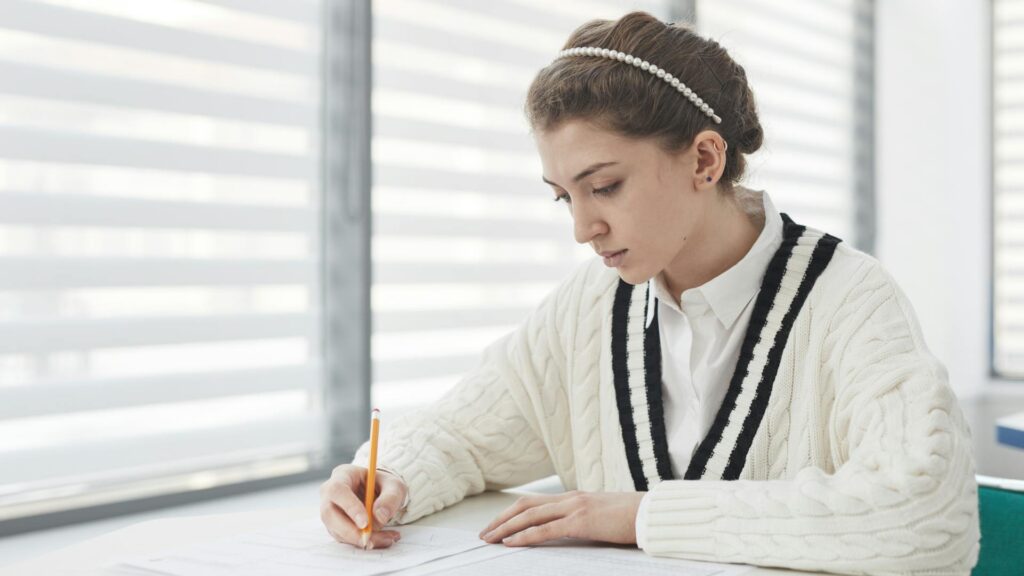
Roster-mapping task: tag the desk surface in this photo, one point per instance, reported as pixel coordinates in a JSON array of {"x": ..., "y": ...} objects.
[{"x": 91, "y": 556}]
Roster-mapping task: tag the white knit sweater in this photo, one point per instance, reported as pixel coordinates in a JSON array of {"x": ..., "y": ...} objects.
[{"x": 859, "y": 460}]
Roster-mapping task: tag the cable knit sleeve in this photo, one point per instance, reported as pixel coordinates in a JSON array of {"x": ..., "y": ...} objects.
[
  {"x": 902, "y": 498},
  {"x": 488, "y": 431}
]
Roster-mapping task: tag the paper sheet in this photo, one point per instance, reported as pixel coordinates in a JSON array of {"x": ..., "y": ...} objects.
[
  {"x": 577, "y": 559},
  {"x": 474, "y": 556},
  {"x": 305, "y": 548}
]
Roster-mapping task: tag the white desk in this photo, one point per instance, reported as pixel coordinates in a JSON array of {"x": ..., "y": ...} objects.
[{"x": 90, "y": 557}]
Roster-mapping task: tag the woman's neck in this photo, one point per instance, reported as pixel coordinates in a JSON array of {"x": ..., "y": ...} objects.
[{"x": 725, "y": 239}]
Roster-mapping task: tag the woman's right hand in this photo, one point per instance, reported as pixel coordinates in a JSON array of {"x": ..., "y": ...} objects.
[{"x": 343, "y": 511}]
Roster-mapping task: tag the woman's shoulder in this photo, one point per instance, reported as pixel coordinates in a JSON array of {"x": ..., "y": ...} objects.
[
  {"x": 849, "y": 263},
  {"x": 852, "y": 266},
  {"x": 852, "y": 278}
]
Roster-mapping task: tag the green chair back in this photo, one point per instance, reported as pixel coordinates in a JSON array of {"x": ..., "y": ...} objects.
[{"x": 1002, "y": 532}]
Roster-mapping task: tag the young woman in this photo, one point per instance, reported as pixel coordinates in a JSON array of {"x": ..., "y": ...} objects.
[{"x": 721, "y": 384}]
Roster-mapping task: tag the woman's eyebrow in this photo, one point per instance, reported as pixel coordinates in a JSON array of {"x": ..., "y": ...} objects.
[{"x": 587, "y": 172}]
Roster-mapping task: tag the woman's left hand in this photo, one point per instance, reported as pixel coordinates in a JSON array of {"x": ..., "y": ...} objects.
[{"x": 601, "y": 516}]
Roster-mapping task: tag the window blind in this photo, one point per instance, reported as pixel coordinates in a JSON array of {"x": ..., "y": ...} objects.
[
  {"x": 809, "y": 65},
  {"x": 1008, "y": 187},
  {"x": 466, "y": 239},
  {"x": 159, "y": 247}
]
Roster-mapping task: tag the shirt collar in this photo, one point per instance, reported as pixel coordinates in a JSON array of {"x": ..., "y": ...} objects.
[{"x": 729, "y": 293}]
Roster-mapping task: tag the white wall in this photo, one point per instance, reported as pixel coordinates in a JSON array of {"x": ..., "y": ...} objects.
[{"x": 933, "y": 173}]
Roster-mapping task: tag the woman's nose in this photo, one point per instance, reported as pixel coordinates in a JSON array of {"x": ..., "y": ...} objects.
[{"x": 587, "y": 225}]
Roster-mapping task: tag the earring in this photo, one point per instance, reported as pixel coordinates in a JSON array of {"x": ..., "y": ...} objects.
[{"x": 709, "y": 178}]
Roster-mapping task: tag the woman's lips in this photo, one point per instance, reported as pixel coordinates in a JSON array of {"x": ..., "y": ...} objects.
[{"x": 614, "y": 259}]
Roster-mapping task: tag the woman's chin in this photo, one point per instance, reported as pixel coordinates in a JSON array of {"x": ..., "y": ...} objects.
[{"x": 632, "y": 276}]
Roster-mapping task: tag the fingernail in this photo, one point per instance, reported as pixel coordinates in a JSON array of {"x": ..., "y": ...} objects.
[
  {"x": 488, "y": 535},
  {"x": 361, "y": 520},
  {"x": 369, "y": 545},
  {"x": 506, "y": 540},
  {"x": 382, "y": 515}
]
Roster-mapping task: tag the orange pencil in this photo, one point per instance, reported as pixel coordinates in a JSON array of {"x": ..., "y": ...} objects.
[{"x": 371, "y": 475}]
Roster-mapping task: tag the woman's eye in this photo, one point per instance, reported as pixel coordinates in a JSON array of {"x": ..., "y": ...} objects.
[{"x": 606, "y": 190}]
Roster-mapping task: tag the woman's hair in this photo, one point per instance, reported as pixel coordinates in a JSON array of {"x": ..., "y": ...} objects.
[{"x": 637, "y": 104}]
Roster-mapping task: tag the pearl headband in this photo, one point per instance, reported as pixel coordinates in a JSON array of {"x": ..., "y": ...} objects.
[{"x": 646, "y": 67}]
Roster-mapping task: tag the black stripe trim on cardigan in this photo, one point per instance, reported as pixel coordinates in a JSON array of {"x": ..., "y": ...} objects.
[
  {"x": 770, "y": 286},
  {"x": 655, "y": 406},
  {"x": 620, "y": 374},
  {"x": 822, "y": 255}
]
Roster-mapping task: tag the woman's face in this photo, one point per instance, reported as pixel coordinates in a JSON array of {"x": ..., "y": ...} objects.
[{"x": 634, "y": 203}]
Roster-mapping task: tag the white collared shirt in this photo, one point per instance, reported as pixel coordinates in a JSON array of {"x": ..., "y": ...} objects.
[{"x": 701, "y": 334}]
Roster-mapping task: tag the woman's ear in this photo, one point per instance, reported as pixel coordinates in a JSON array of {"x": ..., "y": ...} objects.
[{"x": 710, "y": 148}]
